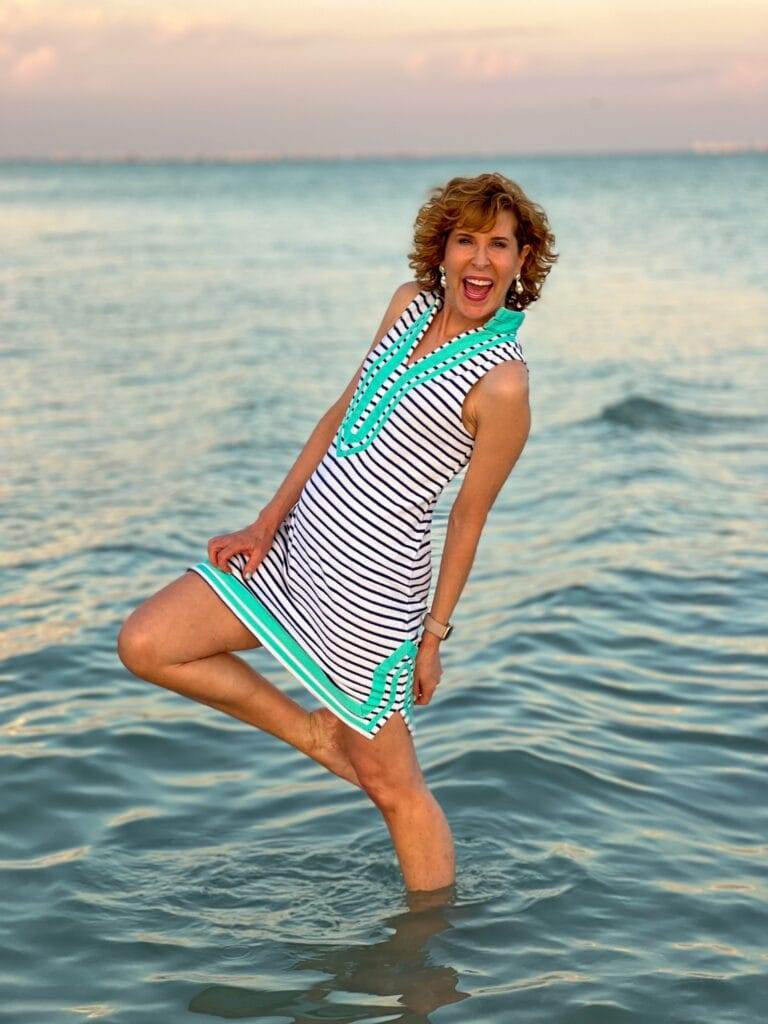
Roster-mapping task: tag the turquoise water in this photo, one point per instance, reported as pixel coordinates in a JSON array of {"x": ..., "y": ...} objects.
[{"x": 170, "y": 336}]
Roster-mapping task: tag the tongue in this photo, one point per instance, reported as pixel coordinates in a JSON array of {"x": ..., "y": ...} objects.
[{"x": 476, "y": 291}]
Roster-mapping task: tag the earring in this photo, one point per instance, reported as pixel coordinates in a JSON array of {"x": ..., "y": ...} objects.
[
  {"x": 511, "y": 297},
  {"x": 442, "y": 276}
]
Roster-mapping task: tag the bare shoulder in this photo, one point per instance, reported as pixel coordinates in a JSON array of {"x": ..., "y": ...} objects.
[
  {"x": 503, "y": 425},
  {"x": 407, "y": 291},
  {"x": 501, "y": 392},
  {"x": 403, "y": 295},
  {"x": 507, "y": 381}
]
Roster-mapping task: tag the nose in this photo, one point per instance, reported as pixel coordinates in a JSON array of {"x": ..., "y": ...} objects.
[{"x": 480, "y": 259}]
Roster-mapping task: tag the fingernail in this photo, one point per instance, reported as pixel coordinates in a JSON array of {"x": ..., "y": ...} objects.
[{"x": 247, "y": 575}]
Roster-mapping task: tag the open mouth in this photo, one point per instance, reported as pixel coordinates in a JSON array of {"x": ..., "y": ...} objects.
[{"x": 476, "y": 289}]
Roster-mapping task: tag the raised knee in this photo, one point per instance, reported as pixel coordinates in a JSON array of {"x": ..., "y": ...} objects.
[{"x": 136, "y": 648}]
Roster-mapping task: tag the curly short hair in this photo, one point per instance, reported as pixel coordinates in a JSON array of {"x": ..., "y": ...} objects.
[{"x": 474, "y": 204}]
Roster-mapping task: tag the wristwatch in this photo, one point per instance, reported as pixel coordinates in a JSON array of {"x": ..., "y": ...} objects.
[{"x": 443, "y": 630}]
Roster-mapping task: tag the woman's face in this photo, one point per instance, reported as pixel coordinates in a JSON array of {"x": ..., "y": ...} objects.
[{"x": 490, "y": 259}]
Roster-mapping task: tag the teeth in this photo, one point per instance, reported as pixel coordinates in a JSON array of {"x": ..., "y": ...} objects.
[{"x": 476, "y": 280}]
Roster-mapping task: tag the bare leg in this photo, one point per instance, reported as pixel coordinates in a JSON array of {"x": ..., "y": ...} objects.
[
  {"x": 182, "y": 638},
  {"x": 422, "y": 840},
  {"x": 389, "y": 772}
]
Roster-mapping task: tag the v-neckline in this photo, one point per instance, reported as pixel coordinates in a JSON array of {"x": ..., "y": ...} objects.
[
  {"x": 436, "y": 306},
  {"x": 387, "y": 377}
]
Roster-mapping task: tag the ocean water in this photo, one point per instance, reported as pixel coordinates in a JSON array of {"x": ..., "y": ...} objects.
[{"x": 170, "y": 336}]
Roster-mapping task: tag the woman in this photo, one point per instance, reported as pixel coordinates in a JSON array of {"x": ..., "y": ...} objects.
[{"x": 333, "y": 576}]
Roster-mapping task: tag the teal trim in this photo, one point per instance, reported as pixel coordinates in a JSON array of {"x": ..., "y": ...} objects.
[
  {"x": 252, "y": 612},
  {"x": 400, "y": 662},
  {"x": 377, "y": 372},
  {"x": 353, "y": 437},
  {"x": 356, "y": 438}
]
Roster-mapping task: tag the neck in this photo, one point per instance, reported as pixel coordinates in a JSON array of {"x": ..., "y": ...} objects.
[{"x": 453, "y": 322}]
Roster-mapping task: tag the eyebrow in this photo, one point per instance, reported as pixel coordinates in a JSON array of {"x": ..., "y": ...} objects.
[{"x": 466, "y": 231}]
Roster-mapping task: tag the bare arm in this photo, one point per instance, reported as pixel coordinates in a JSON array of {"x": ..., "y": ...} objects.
[
  {"x": 316, "y": 446},
  {"x": 503, "y": 418}
]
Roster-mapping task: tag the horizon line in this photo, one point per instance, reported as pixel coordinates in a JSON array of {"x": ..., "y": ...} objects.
[{"x": 698, "y": 147}]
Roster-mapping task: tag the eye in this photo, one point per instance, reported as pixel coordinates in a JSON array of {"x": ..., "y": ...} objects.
[
  {"x": 502, "y": 243},
  {"x": 464, "y": 238}
]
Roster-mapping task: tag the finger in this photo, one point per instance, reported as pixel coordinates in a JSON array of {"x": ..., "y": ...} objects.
[
  {"x": 223, "y": 555},
  {"x": 250, "y": 566},
  {"x": 244, "y": 548},
  {"x": 426, "y": 692},
  {"x": 216, "y": 543}
]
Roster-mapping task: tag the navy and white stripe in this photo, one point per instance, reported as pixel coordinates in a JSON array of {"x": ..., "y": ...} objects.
[{"x": 348, "y": 574}]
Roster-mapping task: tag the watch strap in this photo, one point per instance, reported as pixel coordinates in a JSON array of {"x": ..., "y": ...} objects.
[{"x": 440, "y": 629}]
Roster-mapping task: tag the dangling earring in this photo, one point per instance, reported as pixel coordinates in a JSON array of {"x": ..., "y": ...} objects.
[
  {"x": 511, "y": 298},
  {"x": 442, "y": 277}
]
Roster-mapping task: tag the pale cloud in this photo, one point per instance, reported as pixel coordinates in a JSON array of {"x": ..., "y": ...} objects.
[
  {"x": 495, "y": 32},
  {"x": 34, "y": 66},
  {"x": 180, "y": 26},
  {"x": 416, "y": 62},
  {"x": 183, "y": 75},
  {"x": 176, "y": 24},
  {"x": 37, "y": 14},
  {"x": 89, "y": 28},
  {"x": 488, "y": 64},
  {"x": 465, "y": 63},
  {"x": 744, "y": 78}
]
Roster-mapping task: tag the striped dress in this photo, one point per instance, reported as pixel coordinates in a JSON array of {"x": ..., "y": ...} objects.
[{"x": 340, "y": 596}]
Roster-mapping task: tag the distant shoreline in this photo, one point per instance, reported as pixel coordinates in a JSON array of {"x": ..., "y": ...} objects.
[{"x": 703, "y": 148}]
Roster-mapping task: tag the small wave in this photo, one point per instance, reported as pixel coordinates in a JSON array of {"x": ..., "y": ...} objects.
[{"x": 642, "y": 413}]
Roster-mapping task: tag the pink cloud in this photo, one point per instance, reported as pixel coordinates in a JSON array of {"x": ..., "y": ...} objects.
[
  {"x": 34, "y": 66},
  {"x": 467, "y": 63},
  {"x": 416, "y": 62},
  {"x": 488, "y": 63},
  {"x": 744, "y": 78}
]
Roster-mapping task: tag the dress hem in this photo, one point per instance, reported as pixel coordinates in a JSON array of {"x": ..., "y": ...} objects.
[{"x": 259, "y": 621}]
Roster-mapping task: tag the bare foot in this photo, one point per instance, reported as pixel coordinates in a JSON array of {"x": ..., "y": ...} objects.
[{"x": 327, "y": 747}]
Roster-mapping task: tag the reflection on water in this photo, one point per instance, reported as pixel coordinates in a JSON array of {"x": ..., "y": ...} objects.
[{"x": 394, "y": 980}]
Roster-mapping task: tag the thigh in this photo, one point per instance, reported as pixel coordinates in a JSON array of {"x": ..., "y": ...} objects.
[
  {"x": 388, "y": 760},
  {"x": 187, "y": 620}
]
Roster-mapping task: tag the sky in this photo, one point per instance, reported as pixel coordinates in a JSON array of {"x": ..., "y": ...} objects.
[{"x": 293, "y": 78}]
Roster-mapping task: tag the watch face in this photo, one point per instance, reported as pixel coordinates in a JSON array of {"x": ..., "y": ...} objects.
[{"x": 448, "y": 632}]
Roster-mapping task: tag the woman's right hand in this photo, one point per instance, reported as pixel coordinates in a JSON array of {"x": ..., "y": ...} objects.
[{"x": 254, "y": 541}]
